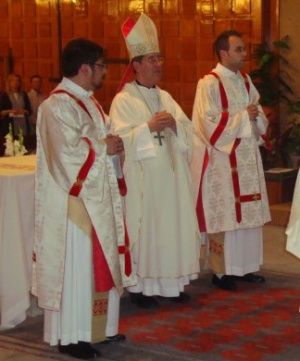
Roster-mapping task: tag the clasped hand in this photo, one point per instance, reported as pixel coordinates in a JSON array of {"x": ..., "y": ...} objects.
[
  {"x": 160, "y": 121},
  {"x": 114, "y": 144},
  {"x": 252, "y": 112}
]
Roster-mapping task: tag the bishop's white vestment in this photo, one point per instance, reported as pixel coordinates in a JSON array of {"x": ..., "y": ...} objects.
[
  {"x": 227, "y": 170},
  {"x": 160, "y": 214},
  {"x": 70, "y": 124}
]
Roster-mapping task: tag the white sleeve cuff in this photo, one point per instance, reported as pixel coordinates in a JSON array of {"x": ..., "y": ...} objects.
[
  {"x": 144, "y": 147},
  {"x": 261, "y": 124}
]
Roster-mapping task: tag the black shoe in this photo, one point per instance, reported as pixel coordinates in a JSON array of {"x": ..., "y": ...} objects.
[
  {"x": 143, "y": 301},
  {"x": 119, "y": 337},
  {"x": 81, "y": 350},
  {"x": 182, "y": 298},
  {"x": 251, "y": 278},
  {"x": 225, "y": 282}
]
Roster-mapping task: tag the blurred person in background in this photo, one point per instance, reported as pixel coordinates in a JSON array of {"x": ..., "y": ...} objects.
[
  {"x": 36, "y": 96},
  {"x": 15, "y": 107}
]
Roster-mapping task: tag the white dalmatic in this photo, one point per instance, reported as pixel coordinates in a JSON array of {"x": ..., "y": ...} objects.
[
  {"x": 218, "y": 194},
  {"x": 62, "y": 275}
]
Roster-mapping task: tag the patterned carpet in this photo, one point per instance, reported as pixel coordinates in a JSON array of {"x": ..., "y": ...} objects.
[{"x": 256, "y": 323}]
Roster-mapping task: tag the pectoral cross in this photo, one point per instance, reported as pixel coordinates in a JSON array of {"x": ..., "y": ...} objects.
[{"x": 159, "y": 137}]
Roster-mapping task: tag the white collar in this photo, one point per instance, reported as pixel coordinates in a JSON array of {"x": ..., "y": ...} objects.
[
  {"x": 74, "y": 88},
  {"x": 223, "y": 71}
]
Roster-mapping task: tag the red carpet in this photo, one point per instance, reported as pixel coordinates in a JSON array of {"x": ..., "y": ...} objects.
[{"x": 256, "y": 323}]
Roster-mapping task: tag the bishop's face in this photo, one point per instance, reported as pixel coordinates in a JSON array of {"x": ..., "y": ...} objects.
[{"x": 149, "y": 69}]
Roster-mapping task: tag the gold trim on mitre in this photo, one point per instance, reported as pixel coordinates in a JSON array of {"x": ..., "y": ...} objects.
[{"x": 140, "y": 37}]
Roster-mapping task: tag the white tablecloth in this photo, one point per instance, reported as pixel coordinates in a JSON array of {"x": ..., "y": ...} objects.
[{"x": 16, "y": 237}]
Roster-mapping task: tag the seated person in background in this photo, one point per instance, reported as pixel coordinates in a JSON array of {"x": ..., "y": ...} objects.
[
  {"x": 36, "y": 96},
  {"x": 15, "y": 107}
]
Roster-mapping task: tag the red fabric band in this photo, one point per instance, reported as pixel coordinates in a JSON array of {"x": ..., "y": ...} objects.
[
  {"x": 102, "y": 276},
  {"x": 122, "y": 186},
  {"x": 225, "y": 116},
  {"x": 84, "y": 170},
  {"x": 199, "y": 206},
  {"x": 125, "y": 250},
  {"x": 235, "y": 180},
  {"x": 220, "y": 128},
  {"x": 250, "y": 197},
  {"x": 224, "y": 100},
  {"x": 127, "y": 26},
  {"x": 78, "y": 101}
]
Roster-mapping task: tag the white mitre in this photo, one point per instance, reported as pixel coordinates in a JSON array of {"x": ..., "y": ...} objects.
[{"x": 140, "y": 36}]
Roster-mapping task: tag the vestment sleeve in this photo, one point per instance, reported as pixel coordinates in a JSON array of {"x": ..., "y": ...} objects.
[
  {"x": 261, "y": 123},
  {"x": 62, "y": 125},
  {"x": 136, "y": 135},
  {"x": 207, "y": 116},
  {"x": 184, "y": 138}
]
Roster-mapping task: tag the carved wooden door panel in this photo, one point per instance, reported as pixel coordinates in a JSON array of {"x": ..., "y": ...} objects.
[
  {"x": 187, "y": 29},
  {"x": 189, "y": 32}
]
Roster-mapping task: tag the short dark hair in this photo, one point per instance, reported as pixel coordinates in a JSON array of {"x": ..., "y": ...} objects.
[
  {"x": 78, "y": 52},
  {"x": 222, "y": 41}
]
